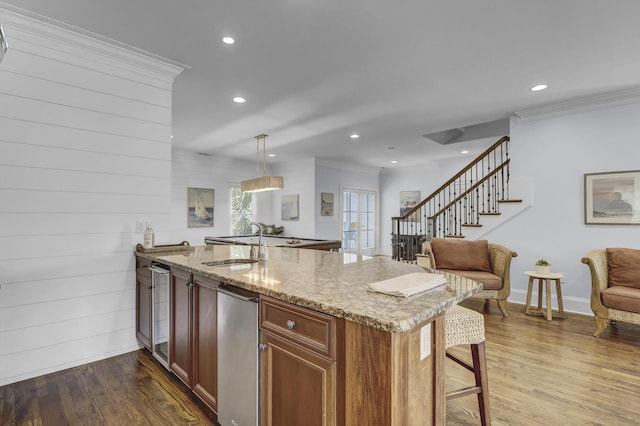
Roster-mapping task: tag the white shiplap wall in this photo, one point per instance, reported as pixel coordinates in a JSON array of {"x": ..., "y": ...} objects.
[{"x": 85, "y": 152}]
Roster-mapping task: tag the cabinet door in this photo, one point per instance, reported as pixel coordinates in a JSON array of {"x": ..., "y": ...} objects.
[
  {"x": 298, "y": 386},
  {"x": 180, "y": 326},
  {"x": 205, "y": 337},
  {"x": 143, "y": 302}
]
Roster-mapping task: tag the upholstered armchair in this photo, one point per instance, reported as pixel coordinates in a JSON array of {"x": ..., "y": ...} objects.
[
  {"x": 615, "y": 286},
  {"x": 478, "y": 260}
]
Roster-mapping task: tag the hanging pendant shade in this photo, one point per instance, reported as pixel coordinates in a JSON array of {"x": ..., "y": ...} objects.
[{"x": 264, "y": 183}]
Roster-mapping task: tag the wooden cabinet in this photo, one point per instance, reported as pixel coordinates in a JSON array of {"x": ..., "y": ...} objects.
[
  {"x": 193, "y": 333},
  {"x": 143, "y": 302},
  {"x": 300, "y": 366}
]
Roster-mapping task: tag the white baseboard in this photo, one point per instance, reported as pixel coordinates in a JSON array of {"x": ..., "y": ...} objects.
[
  {"x": 13, "y": 379},
  {"x": 571, "y": 304}
]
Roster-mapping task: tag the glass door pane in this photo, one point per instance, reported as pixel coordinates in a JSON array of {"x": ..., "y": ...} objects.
[{"x": 358, "y": 221}]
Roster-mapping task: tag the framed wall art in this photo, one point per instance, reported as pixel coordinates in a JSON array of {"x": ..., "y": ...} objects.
[
  {"x": 326, "y": 203},
  {"x": 199, "y": 207},
  {"x": 290, "y": 208},
  {"x": 408, "y": 200},
  {"x": 612, "y": 198}
]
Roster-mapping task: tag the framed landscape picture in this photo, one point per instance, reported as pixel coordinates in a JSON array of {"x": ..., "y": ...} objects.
[
  {"x": 612, "y": 198},
  {"x": 408, "y": 200},
  {"x": 326, "y": 203},
  {"x": 199, "y": 207}
]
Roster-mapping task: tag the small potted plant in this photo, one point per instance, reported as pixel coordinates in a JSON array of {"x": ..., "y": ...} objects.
[{"x": 543, "y": 267}]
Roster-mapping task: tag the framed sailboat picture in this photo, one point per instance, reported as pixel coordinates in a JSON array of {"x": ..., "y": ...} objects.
[{"x": 199, "y": 207}]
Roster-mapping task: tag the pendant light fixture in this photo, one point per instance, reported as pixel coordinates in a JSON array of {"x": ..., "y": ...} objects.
[
  {"x": 264, "y": 183},
  {"x": 3, "y": 43}
]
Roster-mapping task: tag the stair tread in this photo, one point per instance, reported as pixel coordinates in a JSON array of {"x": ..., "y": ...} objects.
[
  {"x": 489, "y": 213},
  {"x": 453, "y": 236},
  {"x": 473, "y": 225},
  {"x": 515, "y": 200}
]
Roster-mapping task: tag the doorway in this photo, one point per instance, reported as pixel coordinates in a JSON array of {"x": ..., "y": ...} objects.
[{"x": 359, "y": 220}]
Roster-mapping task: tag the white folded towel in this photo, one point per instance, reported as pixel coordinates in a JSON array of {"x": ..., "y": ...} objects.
[{"x": 409, "y": 284}]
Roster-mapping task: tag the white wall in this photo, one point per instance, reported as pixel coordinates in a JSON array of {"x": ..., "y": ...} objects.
[
  {"x": 556, "y": 153},
  {"x": 299, "y": 178},
  {"x": 85, "y": 130},
  {"x": 194, "y": 170},
  {"x": 330, "y": 177}
]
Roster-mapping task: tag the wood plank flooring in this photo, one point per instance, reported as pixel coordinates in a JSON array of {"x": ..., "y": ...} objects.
[
  {"x": 551, "y": 373},
  {"x": 540, "y": 373},
  {"x": 130, "y": 389}
]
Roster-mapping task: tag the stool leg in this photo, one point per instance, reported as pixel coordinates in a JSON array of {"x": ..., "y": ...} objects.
[
  {"x": 548, "y": 286},
  {"x": 540, "y": 294},
  {"x": 559, "y": 295},
  {"x": 479, "y": 355},
  {"x": 529, "y": 291}
]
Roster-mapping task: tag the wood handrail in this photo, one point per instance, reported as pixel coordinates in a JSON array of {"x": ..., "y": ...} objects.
[
  {"x": 454, "y": 178},
  {"x": 474, "y": 186}
]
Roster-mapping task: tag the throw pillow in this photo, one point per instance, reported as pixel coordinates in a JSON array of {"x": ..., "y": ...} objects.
[
  {"x": 624, "y": 267},
  {"x": 461, "y": 254}
]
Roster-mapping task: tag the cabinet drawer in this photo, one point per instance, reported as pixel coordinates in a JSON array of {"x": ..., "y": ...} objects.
[{"x": 305, "y": 327}]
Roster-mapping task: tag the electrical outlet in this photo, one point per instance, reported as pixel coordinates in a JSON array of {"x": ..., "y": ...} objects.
[
  {"x": 425, "y": 341},
  {"x": 140, "y": 226}
]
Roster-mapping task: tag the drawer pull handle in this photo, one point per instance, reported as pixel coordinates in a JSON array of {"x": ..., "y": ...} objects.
[
  {"x": 291, "y": 324},
  {"x": 262, "y": 347}
]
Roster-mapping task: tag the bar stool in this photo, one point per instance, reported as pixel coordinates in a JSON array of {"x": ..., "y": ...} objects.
[{"x": 466, "y": 327}]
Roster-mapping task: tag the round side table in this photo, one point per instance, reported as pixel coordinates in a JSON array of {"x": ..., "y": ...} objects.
[{"x": 546, "y": 278}]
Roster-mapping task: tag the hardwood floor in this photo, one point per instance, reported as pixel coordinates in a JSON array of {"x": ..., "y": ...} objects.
[
  {"x": 552, "y": 373},
  {"x": 549, "y": 373},
  {"x": 130, "y": 389}
]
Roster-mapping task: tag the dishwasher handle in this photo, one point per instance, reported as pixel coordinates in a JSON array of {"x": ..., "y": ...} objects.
[
  {"x": 159, "y": 270},
  {"x": 244, "y": 295}
]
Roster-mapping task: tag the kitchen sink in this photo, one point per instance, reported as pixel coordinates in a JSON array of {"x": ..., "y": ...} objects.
[{"x": 225, "y": 262}]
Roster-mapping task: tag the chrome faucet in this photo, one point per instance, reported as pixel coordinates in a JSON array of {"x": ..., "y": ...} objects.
[{"x": 259, "y": 240}]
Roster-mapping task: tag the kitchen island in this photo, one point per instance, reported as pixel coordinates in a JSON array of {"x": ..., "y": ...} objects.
[{"x": 360, "y": 357}]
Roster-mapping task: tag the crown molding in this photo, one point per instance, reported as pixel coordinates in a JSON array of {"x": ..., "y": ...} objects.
[
  {"x": 587, "y": 103},
  {"x": 40, "y": 29}
]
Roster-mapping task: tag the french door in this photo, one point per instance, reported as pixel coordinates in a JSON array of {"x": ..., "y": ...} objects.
[{"x": 359, "y": 220}]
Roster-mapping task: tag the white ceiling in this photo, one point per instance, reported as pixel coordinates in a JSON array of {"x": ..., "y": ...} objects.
[{"x": 314, "y": 71}]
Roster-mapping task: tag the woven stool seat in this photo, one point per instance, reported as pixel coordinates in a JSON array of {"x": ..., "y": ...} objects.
[
  {"x": 466, "y": 327},
  {"x": 463, "y": 326}
]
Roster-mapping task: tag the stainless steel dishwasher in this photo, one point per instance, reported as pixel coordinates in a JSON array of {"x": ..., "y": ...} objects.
[{"x": 238, "y": 359}]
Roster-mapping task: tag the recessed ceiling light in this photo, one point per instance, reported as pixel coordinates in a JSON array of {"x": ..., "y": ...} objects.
[
  {"x": 394, "y": 162},
  {"x": 239, "y": 100},
  {"x": 354, "y": 136},
  {"x": 271, "y": 155},
  {"x": 464, "y": 152},
  {"x": 538, "y": 87},
  {"x": 228, "y": 40}
]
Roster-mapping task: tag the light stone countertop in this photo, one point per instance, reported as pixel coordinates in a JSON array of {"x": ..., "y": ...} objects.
[{"x": 332, "y": 283}]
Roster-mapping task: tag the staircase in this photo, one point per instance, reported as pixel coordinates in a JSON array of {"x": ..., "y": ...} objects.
[{"x": 473, "y": 196}]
